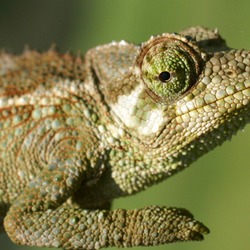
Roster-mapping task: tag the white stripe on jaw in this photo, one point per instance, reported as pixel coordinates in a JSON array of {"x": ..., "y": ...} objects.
[{"x": 138, "y": 112}]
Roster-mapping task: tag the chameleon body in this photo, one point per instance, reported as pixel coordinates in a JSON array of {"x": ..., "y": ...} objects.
[{"x": 77, "y": 132}]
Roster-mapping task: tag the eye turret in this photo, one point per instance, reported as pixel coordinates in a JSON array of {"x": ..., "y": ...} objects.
[{"x": 169, "y": 66}]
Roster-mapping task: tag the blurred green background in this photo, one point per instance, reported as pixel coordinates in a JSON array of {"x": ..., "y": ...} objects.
[{"x": 216, "y": 187}]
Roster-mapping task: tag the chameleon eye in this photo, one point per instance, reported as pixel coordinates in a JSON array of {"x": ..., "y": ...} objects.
[
  {"x": 164, "y": 76},
  {"x": 169, "y": 66}
]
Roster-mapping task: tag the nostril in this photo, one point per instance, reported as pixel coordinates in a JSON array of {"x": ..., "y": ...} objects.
[{"x": 231, "y": 73}]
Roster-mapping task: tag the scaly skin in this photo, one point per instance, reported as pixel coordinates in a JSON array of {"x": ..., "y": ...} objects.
[{"x": 76, "y": 133}]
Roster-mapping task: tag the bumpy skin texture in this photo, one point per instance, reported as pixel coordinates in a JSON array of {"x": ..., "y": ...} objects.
[{"x": 77, "y": 132}]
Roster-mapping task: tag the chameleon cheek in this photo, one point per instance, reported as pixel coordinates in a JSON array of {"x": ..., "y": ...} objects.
[{"x": 169, "y": 66}]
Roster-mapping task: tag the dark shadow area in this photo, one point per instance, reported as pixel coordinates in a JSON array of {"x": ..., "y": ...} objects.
[{"x": 37, "y": 24}]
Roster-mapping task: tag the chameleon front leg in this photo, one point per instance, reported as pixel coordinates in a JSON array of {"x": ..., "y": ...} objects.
[{"x": 37, "y": 217}]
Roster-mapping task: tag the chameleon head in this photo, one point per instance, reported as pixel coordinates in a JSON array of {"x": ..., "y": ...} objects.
[
  {"x": 184, "y": 96},
  {"x": 170, "y": 100}
]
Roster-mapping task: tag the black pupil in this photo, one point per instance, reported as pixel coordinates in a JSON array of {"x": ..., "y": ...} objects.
[{"x": 164, "y": 76}]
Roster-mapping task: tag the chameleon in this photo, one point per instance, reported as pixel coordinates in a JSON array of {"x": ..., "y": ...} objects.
[{"x": 78, "y": 131}]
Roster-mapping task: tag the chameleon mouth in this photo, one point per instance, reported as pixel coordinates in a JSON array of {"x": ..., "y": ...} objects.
[{"x": 206, "y": 111}]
